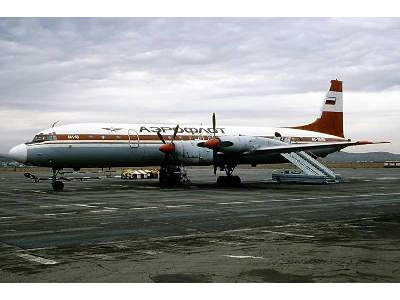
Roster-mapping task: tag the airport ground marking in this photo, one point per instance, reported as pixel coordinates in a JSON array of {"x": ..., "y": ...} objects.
[
  {"x": 309, "y": 198},
  {"x": 85, "y": 205},
  {"x": 235, "y": 202},
  {"x": 335, "y": 197},
  {"x": 288, "y": 233},
  {"x": 239, "y": 230},
  {"x": 287, "y": 225},
  {"x": 62, "y": 213},
  {"x": 143, "y": 208},
  {"x": 243, "y": 256},
  {"x": 37, "y": 259},
  {"x": 102, "y": 210},
  {"x": 40, "y": 248}
]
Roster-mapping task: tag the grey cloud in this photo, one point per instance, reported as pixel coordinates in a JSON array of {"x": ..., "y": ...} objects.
[{"x": 155, "y": 68}]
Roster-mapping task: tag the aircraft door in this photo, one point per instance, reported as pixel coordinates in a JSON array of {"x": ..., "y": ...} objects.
[{"x": 133, "y": 138}]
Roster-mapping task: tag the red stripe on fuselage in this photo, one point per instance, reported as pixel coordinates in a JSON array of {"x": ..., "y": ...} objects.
[{"x": 76, "y": 138}]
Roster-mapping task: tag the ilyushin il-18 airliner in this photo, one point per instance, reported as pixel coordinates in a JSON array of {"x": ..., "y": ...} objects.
[{"x": 102, "y": 145}]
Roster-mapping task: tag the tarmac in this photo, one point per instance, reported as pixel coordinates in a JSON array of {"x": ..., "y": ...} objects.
[{"x": 135, "y": 231}]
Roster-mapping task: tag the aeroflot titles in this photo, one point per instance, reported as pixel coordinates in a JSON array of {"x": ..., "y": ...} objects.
[{"x": 191, "y": 130}]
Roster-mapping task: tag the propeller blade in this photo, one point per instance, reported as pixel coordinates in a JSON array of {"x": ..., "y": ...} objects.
[
  {"x": 175, "y": 133},
  {"x": 214, "y": 123},
  {"x": 215, "y": 161},
  {"x": 161, "y": 137}
]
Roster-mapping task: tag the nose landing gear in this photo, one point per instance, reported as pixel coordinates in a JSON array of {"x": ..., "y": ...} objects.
[{"x": 56, "y": 184}]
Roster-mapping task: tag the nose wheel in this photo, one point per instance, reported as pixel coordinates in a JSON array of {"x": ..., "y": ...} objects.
[{"x": 57, "y": 186}]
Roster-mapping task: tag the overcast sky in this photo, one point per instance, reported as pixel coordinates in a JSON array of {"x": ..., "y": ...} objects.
[{"x": 253, "y": 72}]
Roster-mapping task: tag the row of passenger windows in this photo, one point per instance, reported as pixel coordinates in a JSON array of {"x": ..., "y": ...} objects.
[
  {"x": 50, "y": 137},
  {"x": 118, "y": 137}
]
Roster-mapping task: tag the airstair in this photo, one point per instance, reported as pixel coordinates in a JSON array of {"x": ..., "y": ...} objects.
[{"x": 312, "y": 171}]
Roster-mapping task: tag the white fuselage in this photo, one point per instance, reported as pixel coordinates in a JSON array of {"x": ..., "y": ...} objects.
[{"x": 115, "y": 145}]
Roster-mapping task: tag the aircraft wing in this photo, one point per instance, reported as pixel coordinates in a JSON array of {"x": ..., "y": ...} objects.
[{"x": 287, "y": 148}]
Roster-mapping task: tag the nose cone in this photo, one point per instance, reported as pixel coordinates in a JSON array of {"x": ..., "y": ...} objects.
[{"x": 19, "y": 153}]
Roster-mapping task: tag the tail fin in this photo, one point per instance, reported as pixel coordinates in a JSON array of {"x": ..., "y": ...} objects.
[{"x": 331, "y": 119}]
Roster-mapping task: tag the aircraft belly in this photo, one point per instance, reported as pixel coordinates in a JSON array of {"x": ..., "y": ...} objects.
[{"x": 95, "y": 156}]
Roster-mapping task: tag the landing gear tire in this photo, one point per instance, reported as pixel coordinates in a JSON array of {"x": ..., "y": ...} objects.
[
  {"x": 171, "y": 176},
  {"x": 221, "y": 180},
  {"x": 57, "y": 186},
  {"x": 229, "y": 181},
  {"x": 169, "y": 180}
]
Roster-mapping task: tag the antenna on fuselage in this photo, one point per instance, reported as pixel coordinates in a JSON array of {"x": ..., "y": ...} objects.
[{"x": 54, "y": 124}]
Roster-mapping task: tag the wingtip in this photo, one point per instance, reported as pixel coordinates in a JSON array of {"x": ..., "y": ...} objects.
[{"x": 372, "y": 142}]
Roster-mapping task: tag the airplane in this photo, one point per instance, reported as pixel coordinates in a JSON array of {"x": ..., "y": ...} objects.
[{"x": 103, "y": 145}]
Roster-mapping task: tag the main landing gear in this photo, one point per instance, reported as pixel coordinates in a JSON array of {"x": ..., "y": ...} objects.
[
  {"x": 229, "y": 180},
  {"x": 171, "y": 175}
]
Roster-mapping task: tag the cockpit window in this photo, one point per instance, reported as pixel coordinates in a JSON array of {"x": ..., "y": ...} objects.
[{"x": 44, "y": 137}]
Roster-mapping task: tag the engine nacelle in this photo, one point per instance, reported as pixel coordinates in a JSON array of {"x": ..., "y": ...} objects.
[{"x": 239, "y": 143}]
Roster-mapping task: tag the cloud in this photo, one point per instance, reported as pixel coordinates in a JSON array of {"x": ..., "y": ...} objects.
[{"x": 251, "y": 71}]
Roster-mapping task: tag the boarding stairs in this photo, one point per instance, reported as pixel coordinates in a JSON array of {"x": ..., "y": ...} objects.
[{"x": 313, "y": 171}]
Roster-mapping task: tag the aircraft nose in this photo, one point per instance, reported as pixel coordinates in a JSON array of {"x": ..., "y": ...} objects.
[{"x": 19, "y": 153}]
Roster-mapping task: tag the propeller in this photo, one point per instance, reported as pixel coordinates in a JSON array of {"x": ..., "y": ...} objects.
[
  {"x": 168, "y": 148},
  {"x": 54, "y": 124},
  {"x": 215, "y": 143}
]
